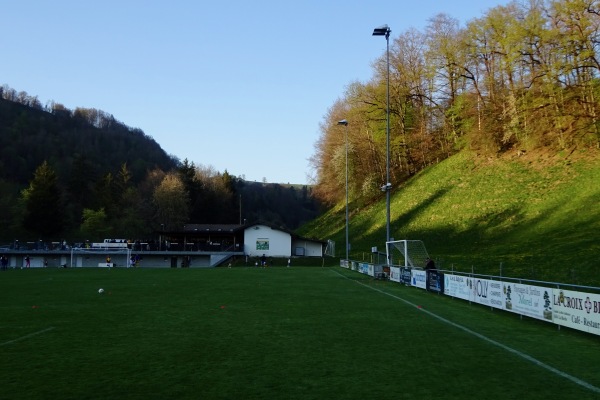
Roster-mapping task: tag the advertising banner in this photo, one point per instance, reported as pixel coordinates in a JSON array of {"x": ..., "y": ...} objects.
[
  {"x": 486, "y": 292},
  {"x": 577, "y": 310},
  {"x": 406, "y": 276},
  {"x": 531, "y": 301},
  {"x": 395, "y": 274},
  {"x": 363, "y": 268},
  {"x": 457, "y": 286},
  {"x": 418, "y": 278},
  {"x": 262, "y": 244},
  {"x": 435, "y": 281}
]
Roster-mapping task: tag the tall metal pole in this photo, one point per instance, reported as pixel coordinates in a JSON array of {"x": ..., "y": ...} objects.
[
  {"x": 160, "y": 237},
  {"x": 385, "y": 31},
  {"x": 388, "y": 186},
  {"x": 347, "y": 220},
  {"x": 345, "y": 123}
]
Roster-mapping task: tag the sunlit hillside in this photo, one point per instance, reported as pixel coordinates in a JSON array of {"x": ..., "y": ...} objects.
[{"x": 533, "y": 216}]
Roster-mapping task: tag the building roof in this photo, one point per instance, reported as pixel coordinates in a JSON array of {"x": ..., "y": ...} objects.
[
  {"x": 236, "y": 228},
  {"x": 292, "y": 234},
  {"x": 212, "y": 228}
]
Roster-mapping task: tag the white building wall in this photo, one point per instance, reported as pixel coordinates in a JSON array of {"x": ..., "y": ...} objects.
[{"x": 261, "y": 239}]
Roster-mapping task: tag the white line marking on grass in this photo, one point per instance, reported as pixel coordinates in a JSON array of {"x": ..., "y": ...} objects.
[
  {"x": 27, "y": 336},
  {"x": 487, "y": 339}
]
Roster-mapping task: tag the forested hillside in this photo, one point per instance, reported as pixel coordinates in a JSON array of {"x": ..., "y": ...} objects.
[
  {"x": 522, "y": 78},
  {"x": 86, "y": 141},
  {"x": 84, "y": 175},
  {"x": 494, "y": 137}
]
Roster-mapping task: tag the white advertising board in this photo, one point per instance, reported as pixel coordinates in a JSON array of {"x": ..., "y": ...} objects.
[
  {"x": 395, "y": 274},
  {"x": 487, "y": 292},
  {"x": 457, "y": 286},
  {"x": 577, "y": 310},
  {"x": 531, "y": 301},
  {"x": 418, "y": 278}
]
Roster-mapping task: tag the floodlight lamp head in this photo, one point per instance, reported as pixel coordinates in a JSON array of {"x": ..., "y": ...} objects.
[
  {"x": 382, "y": 31},
  {"x": 343, "y": 122}
]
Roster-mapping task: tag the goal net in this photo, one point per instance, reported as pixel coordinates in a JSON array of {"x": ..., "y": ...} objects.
[
  {"x": 99, "y": 258},
  {"x": 406, "y": 253},
  {"x": 330, "y": 249}
]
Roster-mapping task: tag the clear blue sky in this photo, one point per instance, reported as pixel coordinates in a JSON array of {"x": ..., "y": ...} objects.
[{"x": 237, "y": 85}]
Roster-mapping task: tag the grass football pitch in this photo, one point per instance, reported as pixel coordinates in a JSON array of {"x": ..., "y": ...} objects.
[{"x": 272, "y": 333}]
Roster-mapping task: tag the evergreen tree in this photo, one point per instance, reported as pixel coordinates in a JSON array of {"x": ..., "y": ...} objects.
[
  {"x": 106, "y": 196},
  {"x": 231, "y": 201},
  {"x": 194, "y": 189},
  {"x": 44, "y": 213}
]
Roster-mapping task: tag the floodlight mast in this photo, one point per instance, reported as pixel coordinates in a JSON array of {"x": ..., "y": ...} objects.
[
  {"x": 345, "y": 123},
  {"x": 385, "y": 31}
]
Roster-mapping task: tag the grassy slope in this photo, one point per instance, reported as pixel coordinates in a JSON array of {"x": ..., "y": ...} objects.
[{"x": 537, "y": 217}]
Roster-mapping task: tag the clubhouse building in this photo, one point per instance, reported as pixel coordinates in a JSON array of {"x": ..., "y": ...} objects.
[{"x": 196, "y": 245}]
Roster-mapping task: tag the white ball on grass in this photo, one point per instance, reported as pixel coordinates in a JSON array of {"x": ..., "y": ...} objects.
[{"x": 100, "y": 290}]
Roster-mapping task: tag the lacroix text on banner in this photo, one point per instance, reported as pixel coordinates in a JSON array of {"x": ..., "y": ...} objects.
[{"x": 577, "y": 310}]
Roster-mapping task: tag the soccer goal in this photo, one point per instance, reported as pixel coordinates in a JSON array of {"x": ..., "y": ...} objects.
[
  {"x": 406, "y": 253},
  {"x": 100, "y": 257},
  {"x": 330, "y": 248}
]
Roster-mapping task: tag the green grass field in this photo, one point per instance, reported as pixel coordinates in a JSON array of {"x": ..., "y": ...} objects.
[{"x": 274, "y": 333}]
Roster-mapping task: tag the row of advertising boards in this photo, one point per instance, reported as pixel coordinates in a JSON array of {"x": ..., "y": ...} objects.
[{"x": 570, "y": 308}]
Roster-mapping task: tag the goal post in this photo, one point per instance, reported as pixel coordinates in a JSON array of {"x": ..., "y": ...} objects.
[
  {"x": 406, "y": 253},
  {"x": 330, "y": 248},
  {"x": 98, "y": 257}
]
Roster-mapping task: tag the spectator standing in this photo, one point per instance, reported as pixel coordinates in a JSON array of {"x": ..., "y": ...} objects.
[{"x": 429, "y": 264}]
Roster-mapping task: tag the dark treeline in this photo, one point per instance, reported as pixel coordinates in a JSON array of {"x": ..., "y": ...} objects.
[
  {"x": 30, "y": 134},
  {"x": 83, "y": 175}
]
